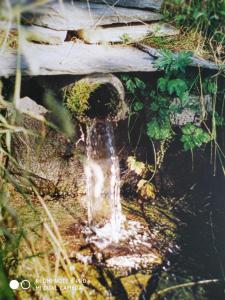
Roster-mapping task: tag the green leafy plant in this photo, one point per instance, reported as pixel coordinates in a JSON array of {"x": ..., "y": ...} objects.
[
  {"x": 138, "y": 106},
  {"x": 159, "y": 131},
  {"x": 172, "y": 95},
  {"x": 193, "y": 137},
  {"x": 220, "y": 121},
  {"x": 170, "y": 62},
  {"x": 172, "y": 85},
  {"x": 133, "y": 84}
]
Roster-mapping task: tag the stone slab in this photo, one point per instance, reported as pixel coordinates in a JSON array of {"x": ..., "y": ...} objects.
[
  {"x": 80, "y": 15},
  {"x": 123, "y": 34}
]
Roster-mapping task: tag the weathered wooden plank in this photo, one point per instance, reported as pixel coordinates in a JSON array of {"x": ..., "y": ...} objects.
[
  {"x": 78, "y": 16},
  {"x": 196, "y": 61},
  {"x": 76, "y": 59},
  {"x": 129, "y": 33},
  {"x": 37, "y": 34},
  {"x": 155, "y": 4}
]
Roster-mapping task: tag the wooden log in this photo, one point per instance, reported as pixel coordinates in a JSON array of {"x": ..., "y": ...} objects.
[
  {"x": 78, "y": 16},
  {"x": 130, "y": 33},
  {"x": 155, "y": 4},
  {"x": 76, "y": 59}
]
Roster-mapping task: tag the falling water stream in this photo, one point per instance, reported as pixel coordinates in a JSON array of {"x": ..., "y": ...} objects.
[
  {"x": 102, "y": 173},
  {"x": 106, "y": 222}
]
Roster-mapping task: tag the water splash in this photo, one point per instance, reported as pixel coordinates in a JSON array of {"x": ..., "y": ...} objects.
[
  {"x": 129, "y": 241},
  {"x": 103, "y": 182}
]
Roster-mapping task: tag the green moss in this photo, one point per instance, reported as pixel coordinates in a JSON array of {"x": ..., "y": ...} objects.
[
  {"x": 161, "y": 218},
  {"x": 76, "y": 96},
  {"x": 134, "y": 284}
]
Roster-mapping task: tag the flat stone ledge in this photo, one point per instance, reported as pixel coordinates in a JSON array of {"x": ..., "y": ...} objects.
[
  {"x": 80, "y": 15},
  {"x": 75, "y": 59},
  {"x": 149, "y": 4}
]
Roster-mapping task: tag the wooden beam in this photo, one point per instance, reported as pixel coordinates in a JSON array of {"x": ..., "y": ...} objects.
[
  {"x": 129, "y": 33},
  {"x": 154, "y": 4},
  {"x": 78, "y": 16},
  {"x": 76, "y": 59}
]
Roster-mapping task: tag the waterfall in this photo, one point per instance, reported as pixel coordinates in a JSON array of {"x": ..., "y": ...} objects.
[{"x": 102, "y": 173}]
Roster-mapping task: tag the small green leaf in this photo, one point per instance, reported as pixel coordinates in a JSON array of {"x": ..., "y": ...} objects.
[
  {"x": 139, "y": 83},
  {"x": 138, "y": 106},
  {"x": 220, "y": 121},
  {"x": 162, "y": 84},
  {"x": 130, "y": 85},
  {"x": 177, "y": 87},
  {"x": 193, "y": 137},
  {"x": 154, "y": 106},
  {"x": 159, "y": 131}
]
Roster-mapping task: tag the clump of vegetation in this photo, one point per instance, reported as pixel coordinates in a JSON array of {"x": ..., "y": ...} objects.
[
  {"x": 76, "y": 97},
  {"x": 185, "y": 41},
  {"x": 206, "y": 18},
  {"x": 173, "y": 95},
  {"x": 202, "y": 28},
  {"x": 173, "y": 85}
]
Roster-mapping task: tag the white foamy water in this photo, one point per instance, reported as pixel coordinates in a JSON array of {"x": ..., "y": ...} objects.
[{"x": 102, "y": 173}]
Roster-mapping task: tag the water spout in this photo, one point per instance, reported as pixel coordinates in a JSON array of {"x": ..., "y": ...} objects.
[{"x": 96, "y": 96}]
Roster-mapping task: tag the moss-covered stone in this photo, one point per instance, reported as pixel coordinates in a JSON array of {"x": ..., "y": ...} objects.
[{"x": 76, "y": 96}]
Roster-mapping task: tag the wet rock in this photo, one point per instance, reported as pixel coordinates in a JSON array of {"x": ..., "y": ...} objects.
[
  {"x": 133, "y": 261},
  {"x": 45, "y": 156},
  {"x": 132, "y": 33}
]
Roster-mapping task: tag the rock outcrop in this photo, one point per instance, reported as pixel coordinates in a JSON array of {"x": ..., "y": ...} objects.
[{"x": 45, "y": 156}]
